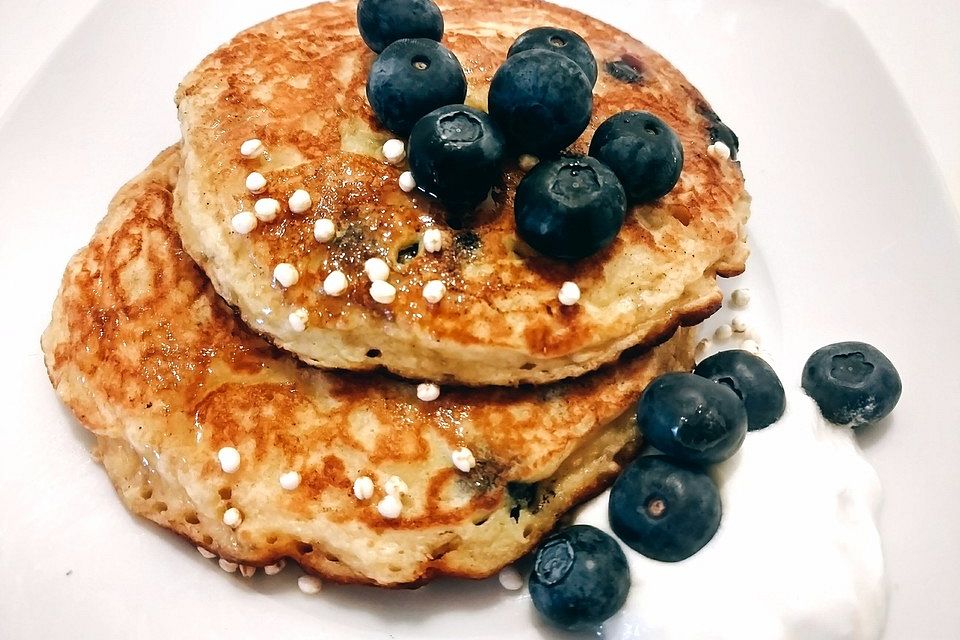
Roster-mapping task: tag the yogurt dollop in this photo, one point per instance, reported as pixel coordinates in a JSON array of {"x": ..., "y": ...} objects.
[{"x": 797, "y": 556}]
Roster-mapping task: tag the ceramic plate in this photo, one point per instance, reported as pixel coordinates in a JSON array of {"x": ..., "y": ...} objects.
[{"x": 853, "y": 238}]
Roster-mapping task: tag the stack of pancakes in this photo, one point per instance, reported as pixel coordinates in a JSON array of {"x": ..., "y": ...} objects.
[{"x": 170, "y": 338}]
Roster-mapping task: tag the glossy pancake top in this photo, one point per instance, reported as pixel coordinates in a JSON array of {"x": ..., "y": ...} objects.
[
  {"x": 297, "y": 83},
  {"x": 151, "y": 360}
]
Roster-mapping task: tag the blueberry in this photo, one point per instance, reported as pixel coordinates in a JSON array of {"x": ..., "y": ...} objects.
[
  {"x": 691, "y": 418},
  {"x": 663, "y": 510},
  {"x": 383, "y": 22},
  {"x": 642, "y": 150},
  {"x": 410, "y": 79},
  {"x": 569, "y": 208},
  {"x": 542, "y": 100},
  {"x": 580, "y": 577},
  {"x": 562, "y": 41},
  {"x": 455, "y": 154},
  {"x": 753, "y": 380},
  {"x": 720, "y": 132},
  {"x": 852, "y": 382}
]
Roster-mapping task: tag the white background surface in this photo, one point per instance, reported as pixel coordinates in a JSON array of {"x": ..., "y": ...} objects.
[{"x": 851, "y": 224}]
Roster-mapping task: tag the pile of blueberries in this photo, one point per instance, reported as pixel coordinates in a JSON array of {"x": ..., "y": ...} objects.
[
  {"x": 666, "y": 506},
  {"x": 540, "y": 101}
]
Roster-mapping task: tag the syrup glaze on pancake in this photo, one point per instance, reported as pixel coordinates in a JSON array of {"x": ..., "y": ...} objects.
[
  {"x": 297, "y": 83},
  {"x": 153, "y": 362}
]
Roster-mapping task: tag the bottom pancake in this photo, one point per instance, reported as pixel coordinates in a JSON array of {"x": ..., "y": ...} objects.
[{"x": 154, "y": 363}]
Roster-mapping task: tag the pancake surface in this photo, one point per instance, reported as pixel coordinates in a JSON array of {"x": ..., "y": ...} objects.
[
  {"x": 297, "y": 83},
  {"x": 153, "y": 362}
]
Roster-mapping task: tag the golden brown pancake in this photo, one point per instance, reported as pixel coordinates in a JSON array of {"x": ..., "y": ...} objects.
[
  {"x": 297, "y": 82},
  {"x": 152, "y": 361}
]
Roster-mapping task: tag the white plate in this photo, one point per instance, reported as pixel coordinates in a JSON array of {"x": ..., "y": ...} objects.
[{"x": 852, "y": 228}]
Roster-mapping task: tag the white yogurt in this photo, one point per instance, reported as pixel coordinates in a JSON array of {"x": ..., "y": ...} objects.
[{"x": 797, "y": 556}]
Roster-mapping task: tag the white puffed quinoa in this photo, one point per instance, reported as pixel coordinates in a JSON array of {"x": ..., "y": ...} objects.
[
  {"x": 434, "y": 291},
  {"x": 335, "y": 283},
  {"x": 569, "y": 294}
]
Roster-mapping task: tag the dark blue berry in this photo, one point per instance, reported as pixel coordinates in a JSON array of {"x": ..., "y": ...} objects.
[
  {"x": 720, "y": 132},
  {"x": 569, "y": 208},
  {"x": 752, "y": 379},
  {"x": 455, "y": 155},
  {"x": 663, "y": 510},
  {"x": 853, "y": 383},
  {"x": 580, "y": 577},
  {"x": 562, "y": 41},
  {"x": 643, "y": 151},
  {"x": 542, "y": 100},
  {"x": 410, "y": 79},
  {"x": 383, "y": 22},
  {"x": 691, "y": 418}
]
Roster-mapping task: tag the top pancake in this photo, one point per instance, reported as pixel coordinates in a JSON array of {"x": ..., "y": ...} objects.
[{"x": 297, "y": 82}]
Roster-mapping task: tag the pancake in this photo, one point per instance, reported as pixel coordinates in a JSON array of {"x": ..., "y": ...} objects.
[
  {"x": 297, "y": 83},
  {"x": 153, "y": 362}
]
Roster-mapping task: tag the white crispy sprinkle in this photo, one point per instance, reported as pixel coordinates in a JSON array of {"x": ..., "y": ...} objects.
[
  {"x": 510, "y": 579},
  {"x": 376, "y": 269},
  {"x": 247, "y": 571},
  {"x": 275, "y": 568},
  {"x": 434, "y": 291},
  {"x": 702, "y": 347},
  {"x": 363, "y": 488},
  {"x": 290, "y": 480},
  {"x": 390, "y": 507},
  {"x": 298, "y": 320},
  {"x": 407, "y": 183},
  {"x": 266, "y": 209},
  {"x": 394, "y": 151},
  {"x": 229, "y": 459},
  {"x": 528, "y": 162},
  {"x": 428, "y": 392},
  {"x": 310, "y": 585},
  {"x": 286, "y": 274},
  {"x": 463, "y": 459},
  {"x": 723, "y": 332},
  {"x": 206, "y": 554},
  {"x": 383, "y": 292},
  {"x": 394, "y": 485},
  {"x": 719, "y": 150},
  {"x": 226, "y": 565},
  {"x": 335, "y": 283},
  {"x": 232, "y": 517},
  {"x": 252, "y": 148},
  {"x": 432, "y": 240},
  {"x": 738, "y": 324},
  {"x": 740, "y": 298},
  {"x": 300, "y": 201},
  {"x": 256, "y": 183},
  {"x": 243, "y": 223},
  {"x": 569, "y": 294},
  {"x": 324, "y": 230}
]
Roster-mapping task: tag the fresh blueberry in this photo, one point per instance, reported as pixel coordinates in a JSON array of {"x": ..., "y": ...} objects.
[
  {"x": 580, "y": 577},
  {"x": 383, "y": 22},
  {"x": 691, "y": 418},
  {"x": 642, "y": 150},
  {"x": 752, "y": 379},
  {"x": 852, "y": 382},
  {"x": 410, "y": 79},
  {"x": 719, "y": 131},
  {"x": 542, "y": 100},
  {"x": 663, "y": 510},
  {"x": 455, "y": 154},
  {"x": 562, "y": 41},
  {"x": 569, "y": 208}
]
